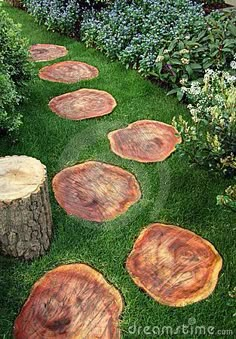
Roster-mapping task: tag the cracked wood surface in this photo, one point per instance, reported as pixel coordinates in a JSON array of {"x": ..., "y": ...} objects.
[
  {"x": 72, "y": 301},
  {"x": 144, "y": 141},
  {"x": 47, "y": 52},
  {"x": 83, "y": 104},
  {"x": 68, "y": 72},
  {"x": 95, "y": 191},
  {"x": 173, "y": 265},
  {"x": 25, "y": 212}
]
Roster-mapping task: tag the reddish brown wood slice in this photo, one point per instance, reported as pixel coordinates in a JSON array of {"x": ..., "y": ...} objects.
[
  {"x": 83, "y": 104},
  {"x": 173, "y": 265},
  {"x": 47, "y": 52},
  {"x": 68, "y": 72},
  {"x": 71, "y": 301},
  {"x": 95, "y": 191},
  {"x": 144, "y": 141}
]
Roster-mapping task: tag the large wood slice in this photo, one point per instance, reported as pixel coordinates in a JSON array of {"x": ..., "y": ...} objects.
[
  {"x": 25, "y": 212},
  {"x": 47, "y": 52},
  {"x": 173, "y": 265},
  {"x": 70, "y": 302},
  {"x": 83, "y": 104},
  {"x": 95, "y": 191},
  {"x": 68, "y": 72},
  {"x": 144, "y": 141}
]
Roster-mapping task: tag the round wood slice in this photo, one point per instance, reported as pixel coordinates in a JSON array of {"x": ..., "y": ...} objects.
[
  {"x": 72, "y": 301},
  {"x": 68, "y": 72},
  {"x": 95, "y": 191},
  {"x": 173, "y": 265},
  {"x": 25, "y": 212},
  {"x": 83, "y": 104},
  {"x": 47, "y": 52},
  {"x": 144, "y": 141}
]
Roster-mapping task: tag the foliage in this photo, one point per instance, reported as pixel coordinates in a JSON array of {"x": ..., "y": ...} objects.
[
  {"x": 134, "y": 31},
  {"x": 15, "y": 71},
  {"x": 210, "y": 138},
  {"x": 229, "y": 198},
  {"x": 182, "y": 61},
  {"x": 58, "y": 15}
]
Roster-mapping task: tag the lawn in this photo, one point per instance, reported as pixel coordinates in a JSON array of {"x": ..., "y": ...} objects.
[{"x": 172, "y": 192}]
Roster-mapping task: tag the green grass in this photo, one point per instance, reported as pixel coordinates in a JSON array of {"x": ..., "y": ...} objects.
[{"x": 172, "y": 192}]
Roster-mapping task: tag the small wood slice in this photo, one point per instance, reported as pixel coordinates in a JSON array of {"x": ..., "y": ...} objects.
[
  {"x": 68, "y": 72},
  {"x": 71, "y": 301},
  {"x": 95, "y": 191},
  {"x": 173, "y": 265},
  {"x": 83, "y": 104},
  {"x": 144, "y": 141},
  {"x": 47, "y": 52}
]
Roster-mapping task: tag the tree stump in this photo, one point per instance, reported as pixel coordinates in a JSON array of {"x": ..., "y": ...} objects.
[{"x": 25, "y": 213}]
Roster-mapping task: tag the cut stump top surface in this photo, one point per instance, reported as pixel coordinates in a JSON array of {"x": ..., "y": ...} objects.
[
  {"x": 72, "y": 301},
  {"x": 95, "y": 191},
  {"x": 20, "y": 176},
  {"x": 144, "y": 141},
  {"x": 47, "y": 52},
  {"x": 83, "y": 104},
  {"x": 68, "y": 72},
  {"x": 173, "y": 265}
]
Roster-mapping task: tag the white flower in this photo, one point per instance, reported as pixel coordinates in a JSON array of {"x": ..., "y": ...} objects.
[
  {"x": 184, "y": 89},
  {"x": 183, "y": 81},
  {"x": 184, "y": 51},
  {"x": 233, "y": 64},
  {"x": 187, "y": 37},
  {"x": 160, "y": 58},
  {"x": 166, "y": 51},
  {"x": 185, "y": 61}
]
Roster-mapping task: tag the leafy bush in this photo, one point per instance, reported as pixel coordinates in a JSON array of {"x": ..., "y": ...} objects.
[
  {"x": 15, "y": 71},
  {"x": 210, "y": 138},
  {"x": 134, "y": 31},
  {"x": 228, "y": 199},
  {"x": 59, "y": 15},
  {"x": 185, "y": 60}
]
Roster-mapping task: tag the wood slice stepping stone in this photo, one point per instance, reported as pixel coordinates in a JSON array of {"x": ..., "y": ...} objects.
[
  {"x": 68, "y": 72},
  {"x": 95, "y": 191},
  {"x": 83, "y": 104},
  {"x": 173, "y": 265},
  {"x": 144, "y": 141},
  {"x": 47, "y": 52},
  {"x": 71, "y": 301},
  {"x": 25, "y": 212}
]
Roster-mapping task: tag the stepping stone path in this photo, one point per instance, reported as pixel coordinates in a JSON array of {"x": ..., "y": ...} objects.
[
  {"x": 83, "y": 104},
  {"x": 68, "y": 72},
  {"x": 95, "y": 191},
  {"x": 71, "y": 301},
  {"x": 144, "y": 141},
  {"x": 47, "y": 52},
  {"x": 173, "y": 265}
]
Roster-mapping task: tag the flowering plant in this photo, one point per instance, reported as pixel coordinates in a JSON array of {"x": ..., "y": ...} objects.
[
  {"x": 229, "y": 198},
  {"x": 210, "y": 138}
]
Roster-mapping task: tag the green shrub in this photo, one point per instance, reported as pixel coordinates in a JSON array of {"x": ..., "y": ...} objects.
[
  {"x": 228, "y": 199},
  {"x": 15, "y": 71},
  {"x": 209, "y": 139}
]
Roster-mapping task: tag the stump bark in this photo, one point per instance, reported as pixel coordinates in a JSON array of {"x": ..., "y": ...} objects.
[{"x": 25, "y": 212}]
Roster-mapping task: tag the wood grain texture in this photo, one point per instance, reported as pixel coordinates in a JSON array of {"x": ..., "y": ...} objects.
[
  {"x": 144, "y": 141},
  {"x": 25, "y": 211},
  {"x": 95, "y": 191},
  {"x": 173, "y": 265},
  {"x": 70, "y": 302},
  {"x": 83, "y": 104},
  {"x": 68, "y": 72},
  {"x": 47, "y": 52}
]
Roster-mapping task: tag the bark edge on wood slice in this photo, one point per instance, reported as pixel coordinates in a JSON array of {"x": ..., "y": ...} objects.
[
  {"x": 144, "y": 141},
  {"x": 25, "y": 211},
  {"x": 47, "y": 52},
  {"x": 83, "y": 104},
  {"x": 68, "y": 72},
  {"x": 175, "y": 266},
  {"x": 95, "y": 191},
  {"x": 71, "y": 301}
]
